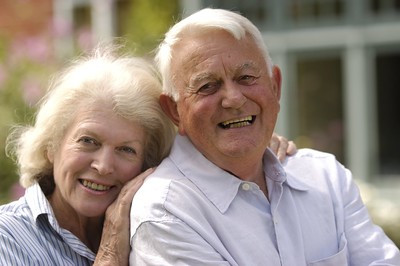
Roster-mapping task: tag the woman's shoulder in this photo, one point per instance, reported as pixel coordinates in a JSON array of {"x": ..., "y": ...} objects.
[{"x": 14, "y": 213}]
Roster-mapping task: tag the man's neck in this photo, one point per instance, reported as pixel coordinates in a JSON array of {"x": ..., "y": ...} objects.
[{"x": 252, "y": 173}]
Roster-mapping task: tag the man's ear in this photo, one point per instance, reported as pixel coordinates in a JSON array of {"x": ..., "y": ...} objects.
[
  {"x": 277, "y": 81},
  {"x": 170, "y": 108}
]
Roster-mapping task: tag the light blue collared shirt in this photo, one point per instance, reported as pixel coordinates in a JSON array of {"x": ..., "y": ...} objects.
[
  {"x": 30, "y": 235},
  {"x": 190, "y": 212}
]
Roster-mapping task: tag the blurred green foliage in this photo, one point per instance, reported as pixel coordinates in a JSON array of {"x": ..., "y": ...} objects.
[
  {"x": 146, "y": 22},
  {"x": 21, "y": 76},
  {"x": 27, "y": 64}
]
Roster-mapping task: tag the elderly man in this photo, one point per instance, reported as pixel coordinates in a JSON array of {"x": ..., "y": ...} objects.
[{"x": 221, "y": 198}]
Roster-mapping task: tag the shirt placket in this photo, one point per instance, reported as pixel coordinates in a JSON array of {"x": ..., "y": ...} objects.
[{"x": 287, "y": 226}]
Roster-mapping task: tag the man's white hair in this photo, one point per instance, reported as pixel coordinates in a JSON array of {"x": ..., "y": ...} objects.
[{"x": 207, "y": 19}]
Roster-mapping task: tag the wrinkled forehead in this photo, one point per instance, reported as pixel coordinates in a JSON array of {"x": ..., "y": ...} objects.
[{"x": 199, "y": 51}]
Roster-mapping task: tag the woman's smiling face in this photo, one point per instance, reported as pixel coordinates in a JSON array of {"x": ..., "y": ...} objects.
[{"x": 99, "y": 153}]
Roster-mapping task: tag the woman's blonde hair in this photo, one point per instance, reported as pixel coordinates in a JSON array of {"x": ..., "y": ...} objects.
[{"x": 131, "y": 85}]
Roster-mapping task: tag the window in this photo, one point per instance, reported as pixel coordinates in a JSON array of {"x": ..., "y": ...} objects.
[
  {"x": 82, "y": 18},
  {"x": 384, "y": 6},
  {"x": 123, "y": 11},
  {"x": 314, "y": 9},
  {"x": 388, "y": 95},
  {"x": 318, "y": 104},
  {"x": 258, "y": 11}
]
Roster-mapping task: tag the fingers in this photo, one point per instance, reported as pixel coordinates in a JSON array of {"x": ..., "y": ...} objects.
[
  {"x": 282, "y": 147},
  {"x": 292, "y": 148},
  {"x": 131, "y": 187},
  {"x": 274, "y": 143},
  {"x": 114, "y": 245}
]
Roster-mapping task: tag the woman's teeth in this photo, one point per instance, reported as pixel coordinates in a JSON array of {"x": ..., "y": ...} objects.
[{"x": 94, "y": 186}]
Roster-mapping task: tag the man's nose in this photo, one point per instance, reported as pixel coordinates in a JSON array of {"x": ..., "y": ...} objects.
[
  {"x": 233, "y": 96},
  {"x": 103, "y": 162}
]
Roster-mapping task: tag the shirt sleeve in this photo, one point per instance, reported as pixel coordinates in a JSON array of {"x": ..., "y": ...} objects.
[
  {"x": 171, "y": 243},
  {"x": 367, "y": 243},
  {"x": 12, "y": 253}
]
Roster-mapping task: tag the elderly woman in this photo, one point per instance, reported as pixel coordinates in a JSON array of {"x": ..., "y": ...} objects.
[{"x": 98, "y": 127}]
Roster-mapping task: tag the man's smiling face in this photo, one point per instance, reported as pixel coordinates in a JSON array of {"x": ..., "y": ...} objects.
[{"x": 228, "y": 103}]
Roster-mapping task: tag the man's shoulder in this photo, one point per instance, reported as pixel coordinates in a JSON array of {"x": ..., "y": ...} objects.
[
  {"x": 162, "y": 193},
  {"x": 307, "y": 153},
  {"x": 149, "y": 202},
  {"x": 315, "y": 168},
  {"x": 309, "y": 158}
]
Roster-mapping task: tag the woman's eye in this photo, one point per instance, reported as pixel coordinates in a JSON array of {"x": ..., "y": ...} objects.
[
  {"x": 87, "y": 140},
  {"x": 128, "y": 150},
  {"x": 209, "y": 88},
  {"x": 247, "y": 80}
]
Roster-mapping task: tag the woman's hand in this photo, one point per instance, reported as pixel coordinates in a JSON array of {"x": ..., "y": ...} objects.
[
  {"x": 114, "y": 246},
  {"x": 282, "y": 147}
]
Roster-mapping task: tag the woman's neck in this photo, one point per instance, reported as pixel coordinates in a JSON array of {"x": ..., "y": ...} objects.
[{"x": 87, "y": 229}]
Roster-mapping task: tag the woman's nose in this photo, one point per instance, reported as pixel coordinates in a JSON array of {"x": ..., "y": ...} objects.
[{"x": 104, "y": 161}]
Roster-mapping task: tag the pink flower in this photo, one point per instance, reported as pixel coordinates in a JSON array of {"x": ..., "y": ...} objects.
[
  {"x": 31, "y": 91},
  {"x": 17, "y": 191},
  {"x": 85, "y": 39},
  {"x": 61, "y": 28},
  {"x": 36, "y": 49}
]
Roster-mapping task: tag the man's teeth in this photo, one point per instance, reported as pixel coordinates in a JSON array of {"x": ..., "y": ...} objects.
[
  {"x": 94, "y": 186},
  {"x": 235, "y": 123}
]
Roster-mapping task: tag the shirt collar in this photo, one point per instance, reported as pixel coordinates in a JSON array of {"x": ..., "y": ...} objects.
[
  {"x": 37, "y": 201},
  {"x": 39, "y": 205},
  {"x": 219, "y": 186},
  {"x": 276, "y": 172}
]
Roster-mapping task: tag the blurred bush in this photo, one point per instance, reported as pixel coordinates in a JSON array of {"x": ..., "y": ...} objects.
[
  {"x": 384, "y": 212},
  {"x": 25, "y": 64}
]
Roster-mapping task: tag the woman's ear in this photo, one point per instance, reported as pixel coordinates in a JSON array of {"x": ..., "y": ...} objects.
[
  {"x": 170, "y": 108},
  {"x": 50, "y": 155}
]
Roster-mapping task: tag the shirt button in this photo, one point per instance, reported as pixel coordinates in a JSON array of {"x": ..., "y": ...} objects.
[{"x": 245, "y": 186}]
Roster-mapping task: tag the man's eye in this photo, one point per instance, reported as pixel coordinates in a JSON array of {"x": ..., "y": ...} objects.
[
  {"x": 209, "y": 88},
  {"x": 247, "y": 80}
]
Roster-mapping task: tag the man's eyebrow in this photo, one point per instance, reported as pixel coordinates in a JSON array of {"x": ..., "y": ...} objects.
[
  {"x": 200, "y": 77},
  {"x": 248, "y": 65}
]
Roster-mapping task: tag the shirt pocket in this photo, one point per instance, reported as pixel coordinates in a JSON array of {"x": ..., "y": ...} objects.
[{"x": 339, "y": 259}]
